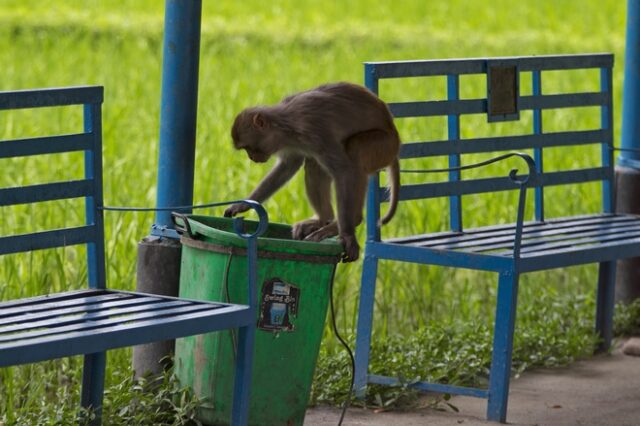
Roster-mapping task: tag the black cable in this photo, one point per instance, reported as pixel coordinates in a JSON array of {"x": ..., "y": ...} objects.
[
  {"x": 234, "y": 339},
  {"x": 344, "y": 343},
  {"x": 474, "y": 165},
  {"x": 615, "y": 148}
]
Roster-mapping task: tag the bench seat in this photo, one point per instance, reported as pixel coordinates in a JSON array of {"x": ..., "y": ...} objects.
[
  {"x": 545, "y": 245},
  {"x": 89, "y": 321}
]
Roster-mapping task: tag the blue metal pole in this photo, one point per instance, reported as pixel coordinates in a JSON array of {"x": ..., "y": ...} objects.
[
  {"x": 158, "y": 267},
  {"x": 631, "y": 94},
  {"x": 628, "y": 166},
  {"x": 179, "y": 104}
]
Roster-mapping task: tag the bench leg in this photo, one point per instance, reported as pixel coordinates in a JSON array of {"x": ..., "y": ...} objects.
[
  {"x": 93, "y": 384},
  {"x": 365, "y": 320},
  {"x": 502, "y": 346},
  {"x": 605, "y": 304},
  {"x": 242, "y": 384}
]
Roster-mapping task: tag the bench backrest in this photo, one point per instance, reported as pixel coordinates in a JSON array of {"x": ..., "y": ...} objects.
[
  {"x": 503, "y": 102},
  {"x": 88, "y": 140}
]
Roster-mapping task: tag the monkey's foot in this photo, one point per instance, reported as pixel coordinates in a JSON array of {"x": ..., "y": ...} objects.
[
  {"x": 327, "y": 231},
  {"x": 349, "y": 242},
  {"x": 303, "y": 229},
  {"x": 351, "y": 248}
]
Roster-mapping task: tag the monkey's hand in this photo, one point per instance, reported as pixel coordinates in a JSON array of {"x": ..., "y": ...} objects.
[
  {"x": 234, "y": 209},
  {"x": 351, "y": 248}
]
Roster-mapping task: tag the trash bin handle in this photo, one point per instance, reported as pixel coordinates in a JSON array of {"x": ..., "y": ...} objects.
[
  {"x": 263, "y": 217},
  {"x": 238, "y": 222},
  {"x": 184, "y": 227}
]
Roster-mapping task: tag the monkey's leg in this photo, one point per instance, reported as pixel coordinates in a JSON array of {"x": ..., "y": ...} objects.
[
  {"x": 354, "y": 190},
  {"x": 368, "y": 152},
  {"x": 351, "y": 185},
  {"x": 350, "y": 193},
  {"x": 318, "y": 185}
]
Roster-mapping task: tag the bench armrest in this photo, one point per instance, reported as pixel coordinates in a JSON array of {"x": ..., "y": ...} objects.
[{"x": 522, "y": 181}]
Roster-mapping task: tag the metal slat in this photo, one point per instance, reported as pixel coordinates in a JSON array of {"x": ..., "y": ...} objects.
[
  {"x": 479, "y": 186},
  {"x": 48, "y": 239},
  {"x": 124, "y": 335},
  {"x": 437, "y": 108},
  {"x": 37, "y": 98},
  {"x": 574, "y": 176},
  {"x": 536, "y": 83},
  {"x": 590, "y": 239},
  {"x": 539, "y": 261},
  {"x": 453, "y": 133},
  {"x": 90, "y": 314},
  {"x": 45, "y": 145},
  {"x": 41, "y": 304},
  {"x": 445, "y": 189},
  {"x": 538, "y": 243},
  {"x": 428, "y": 387},
  {"x": 478, "y": 65},
  {"x": 41, "y": 314},
  {"x": 479, "y": 106},
  {"x": 581, "y": 230},
  {"x": 503, "y": 239},
  {"x": 91, "y": 325},
  {"x": 448, "y": 235},
  {"x": 46, "y": 192},
  {"x": 569, "y": 100},
  {"x": 408, "y": 253},
  {"x": 50, "y": 298},
  {"x": 620, "y": 236},
  {"x": 501, "y": 143}
]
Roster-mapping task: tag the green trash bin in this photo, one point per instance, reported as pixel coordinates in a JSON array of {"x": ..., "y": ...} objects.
[{"x": 295, "y": 278}]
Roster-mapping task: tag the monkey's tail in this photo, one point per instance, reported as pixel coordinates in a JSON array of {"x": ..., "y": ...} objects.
[{"x": 394, "y": 188}]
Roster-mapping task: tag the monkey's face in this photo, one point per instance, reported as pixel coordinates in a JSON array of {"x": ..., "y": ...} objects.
[
  {"x": 252, "y": 135},
  {"x": 257, "y": 155}
]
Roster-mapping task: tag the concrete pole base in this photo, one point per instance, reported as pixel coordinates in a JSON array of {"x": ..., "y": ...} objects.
[
  {"x": 628, "y": 201},
  {"x": 158, "y": 272}
]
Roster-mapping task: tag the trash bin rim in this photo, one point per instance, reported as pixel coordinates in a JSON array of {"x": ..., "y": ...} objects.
[{"x": 329, "y": 247}]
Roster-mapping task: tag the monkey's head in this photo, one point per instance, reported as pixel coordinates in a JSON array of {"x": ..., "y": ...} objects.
[{"x": 253, "y": 132}]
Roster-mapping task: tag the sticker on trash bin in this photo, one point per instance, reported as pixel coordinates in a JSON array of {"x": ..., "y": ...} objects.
[{"x": 278, "y": 304}]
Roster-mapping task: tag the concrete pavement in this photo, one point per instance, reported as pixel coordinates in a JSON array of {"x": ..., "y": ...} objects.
[{"x": 600, "y": 391}]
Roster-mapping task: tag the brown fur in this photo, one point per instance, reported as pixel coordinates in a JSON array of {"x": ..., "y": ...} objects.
[{"x": 341, "y": 132}]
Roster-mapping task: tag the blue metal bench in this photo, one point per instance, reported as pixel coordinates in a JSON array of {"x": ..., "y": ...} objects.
[
  {"x": 509, "y": 250},
  {"x": 91, "y": 321}
]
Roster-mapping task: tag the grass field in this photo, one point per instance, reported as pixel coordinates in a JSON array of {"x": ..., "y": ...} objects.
[{"x": 255, "y": 52}]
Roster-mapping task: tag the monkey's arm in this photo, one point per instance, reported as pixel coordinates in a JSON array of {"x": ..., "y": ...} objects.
[
  {"x": 284, "y": 170},
  {"x": 277, "y": 177}
]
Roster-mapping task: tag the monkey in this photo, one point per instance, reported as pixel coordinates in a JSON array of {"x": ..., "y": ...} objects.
[{"x": 342, "y": 133}]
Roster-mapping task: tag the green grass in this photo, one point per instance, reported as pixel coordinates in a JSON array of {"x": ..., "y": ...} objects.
[{"x": 255, "y": 52}]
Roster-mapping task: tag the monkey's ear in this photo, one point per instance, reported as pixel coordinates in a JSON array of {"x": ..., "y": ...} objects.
[{"x": 260, "y": 121}]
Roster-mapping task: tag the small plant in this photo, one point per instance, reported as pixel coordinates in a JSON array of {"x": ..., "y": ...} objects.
[
  {"x": 127, "y": 401},
  {"x": 626, "y": 319},
  {"x": 152, "y": 401}
]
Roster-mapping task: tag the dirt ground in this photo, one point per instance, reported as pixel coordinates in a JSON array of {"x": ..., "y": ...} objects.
[{"x": 601, "y": 391}]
